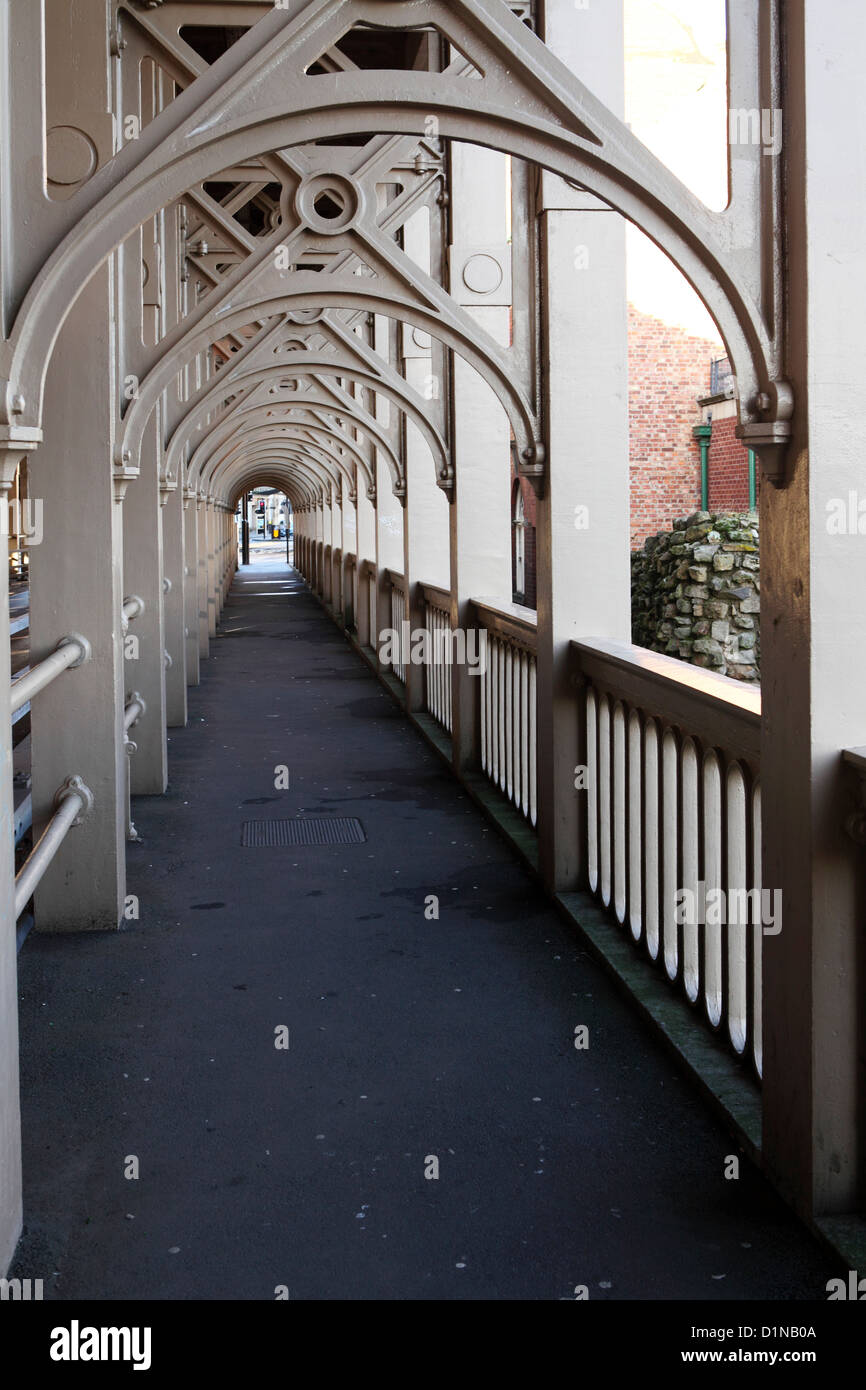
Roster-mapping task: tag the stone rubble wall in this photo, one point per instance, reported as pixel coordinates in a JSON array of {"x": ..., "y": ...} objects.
[{"x": 695, "y": 593}]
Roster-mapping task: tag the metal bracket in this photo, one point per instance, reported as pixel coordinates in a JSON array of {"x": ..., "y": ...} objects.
[
  {"x": 79, "y": 641},
  {"x": 75, "y": 786}
]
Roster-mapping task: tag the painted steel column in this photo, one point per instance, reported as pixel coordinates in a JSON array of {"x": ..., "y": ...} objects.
[
  {"x": 221, "y": 557},
  {"x": 334, "y": 577},
  {"x": 326, "y": 577},
  {"x": 480, "y": 514},
  {"x": 426, "y": 529},
  {"x": 389, "y": 544},
  {"x": 173, "y": 546},
  {"x": 583, "y": 577},
  {"x": 389, "y": 519},
  {"x": 813, "y": 657},
  {"x": 366, "y": 512},
  {"x": 318, "y": 514},
  {"x": 211, "y": 573},
  {"x": 350, "y": 547},
  {"x": 202, "y": 573},
  {"x": 10, "y": 1110},
  {"x": 190, "y": 585},
  {"x": 142, "y": 575},
  {"x": 76, "y": 585},
  {"x": 175, "y": 609}
]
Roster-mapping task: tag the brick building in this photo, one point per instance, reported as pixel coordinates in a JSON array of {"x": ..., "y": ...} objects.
[
  {"x": 732, "y": 482},
  {"x": 673, "y": 420}
]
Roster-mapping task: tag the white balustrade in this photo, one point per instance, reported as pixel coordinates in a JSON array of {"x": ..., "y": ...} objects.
[
  {"x": 508, "y": 702},
  {"x": 672, "y": 825},
  {"x": 437, "y": 605},
  {"x": 398, "y": 617}
]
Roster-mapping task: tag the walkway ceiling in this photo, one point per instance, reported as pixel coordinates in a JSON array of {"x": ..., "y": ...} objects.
[{"x": 329, "y": 247}]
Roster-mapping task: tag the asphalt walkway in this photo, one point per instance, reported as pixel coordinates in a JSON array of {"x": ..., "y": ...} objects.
[{"x": 410, "y": 1038}]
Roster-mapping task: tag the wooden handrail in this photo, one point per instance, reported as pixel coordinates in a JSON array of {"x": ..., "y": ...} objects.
[
  {"x": 437, "y": 598},
  {"x": 722, "y": 712},
  {"x": 510, "y": 621}
]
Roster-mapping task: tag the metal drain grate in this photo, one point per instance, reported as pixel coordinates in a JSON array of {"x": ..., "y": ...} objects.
[{"x": 312, "y": 830}]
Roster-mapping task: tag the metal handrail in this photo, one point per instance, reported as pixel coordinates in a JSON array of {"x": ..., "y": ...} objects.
[
  {"x": 73, "y": 801},
  {"x": 70, "y": 652},
  {"x": 133, "y": 711}
]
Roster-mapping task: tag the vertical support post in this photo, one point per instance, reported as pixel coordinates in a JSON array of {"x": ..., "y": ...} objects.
[
  {"x": 366, "y": 552},
  {"x": 210, "y": 524},
  {"x": 480, "y": 513},
  {"x": 583, "y": 515},
  {"x": 202, "y": 574},
  {"x": 10, "y": 1110},
  {"x": 173, "y": 546},
  {"x": 389, "y": 544},
  {"x": 349, "y": 548},
  {"x": 76, "y": 586},
  {"x": 425, "y": 513},
  {"x": 813, "y": 661},
  {"x": 190, "y": 586},
  {"x": 142, "y": 575}
]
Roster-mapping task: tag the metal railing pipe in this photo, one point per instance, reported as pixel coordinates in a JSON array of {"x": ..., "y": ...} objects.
[
  {"x": 73, "y": 800},
  {"x": 70, "y": 651},
  {"x": 133, "y": 710}
]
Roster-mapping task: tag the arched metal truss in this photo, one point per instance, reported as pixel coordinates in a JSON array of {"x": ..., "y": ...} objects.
[
  {"x": 320, "y": 411},
  {"x": 312, "y": 433},
  {"x": 318, "y": 461},
  {"x": 324, "y": 368},
  {"x": 519, "y": 99},
  {"x": 296, "y": 470}
]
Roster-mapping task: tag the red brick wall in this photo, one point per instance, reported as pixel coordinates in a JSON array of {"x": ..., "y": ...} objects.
[
  {"x": 668, "y": 371},
  {"x": 728, "y": 469}
]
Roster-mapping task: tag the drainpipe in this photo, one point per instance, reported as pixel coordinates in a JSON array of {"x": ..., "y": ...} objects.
[
  {"x": 753, "y": 482},
  {"x": 703, "y": 434}
]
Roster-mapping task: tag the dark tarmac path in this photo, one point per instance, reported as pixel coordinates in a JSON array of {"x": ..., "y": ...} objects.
[{"x": 410, "y": 1039}]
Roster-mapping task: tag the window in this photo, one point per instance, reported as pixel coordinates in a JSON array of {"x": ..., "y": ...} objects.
[{"x": 519, "y": 544}]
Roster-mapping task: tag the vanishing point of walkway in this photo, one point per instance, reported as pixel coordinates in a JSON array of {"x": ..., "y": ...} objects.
[{"x": 410, "y": 1038}]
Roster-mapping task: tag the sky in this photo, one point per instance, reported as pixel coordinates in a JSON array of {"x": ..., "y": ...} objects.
[{"x": 676, "y": 103}]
